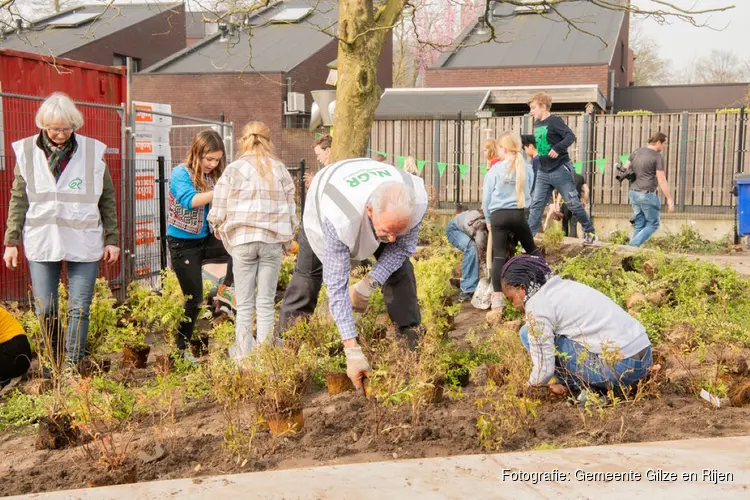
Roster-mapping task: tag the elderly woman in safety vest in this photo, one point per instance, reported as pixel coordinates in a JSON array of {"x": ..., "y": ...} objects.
[
  {"x": 356, "y": 209},
  {"x": 63, "y": 203}
]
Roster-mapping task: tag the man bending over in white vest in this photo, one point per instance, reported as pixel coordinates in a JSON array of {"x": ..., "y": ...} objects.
[{"x": 356, "y": 209}]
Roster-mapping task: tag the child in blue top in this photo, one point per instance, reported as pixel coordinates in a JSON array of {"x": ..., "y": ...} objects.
[
  {"x": 506, "y": 193},
  {"x": 190, "y": 240}
]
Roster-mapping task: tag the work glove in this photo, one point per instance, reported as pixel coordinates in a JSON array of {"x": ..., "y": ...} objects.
[
  {"x": 359, "y": 294},
  {"x": 357, "y": 367}
]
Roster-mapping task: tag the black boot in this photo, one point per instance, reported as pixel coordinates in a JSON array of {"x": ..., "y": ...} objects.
[{"x": 413, "y": 335}]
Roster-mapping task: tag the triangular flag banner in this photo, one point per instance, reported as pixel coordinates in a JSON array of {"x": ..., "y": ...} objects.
[
  {"x": 462, "y": 169},
  {"x": 382, "y": 153},
  {"x": 441, "y": 167},
  {"x": 601, "y": 164},
  {"x": 578, "y": 166},
  {"x": 400, "y": 161},
  {"x": 483, "y": 169},
  {"x": 420, "y": 165},
  {"x": 624, "y": 158}
]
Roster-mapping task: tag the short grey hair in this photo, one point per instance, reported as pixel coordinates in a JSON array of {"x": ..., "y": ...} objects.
[
  {"x": 394, "y": 198},
  {"x": 58, "y": 108}
]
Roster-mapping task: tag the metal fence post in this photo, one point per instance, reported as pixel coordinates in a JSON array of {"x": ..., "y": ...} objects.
[
  {"x": 436, "y": 158},
  {"x": 740, "y": 158},
  {"x": 302, "y": 187},
  {"x": 683, "y": 160},
  {"x": 162, "y": 212},
  {"x": 457, "y": 173}
]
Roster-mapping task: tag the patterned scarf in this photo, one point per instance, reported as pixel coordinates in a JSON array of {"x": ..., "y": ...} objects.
[{"x": 57, "y": 156}]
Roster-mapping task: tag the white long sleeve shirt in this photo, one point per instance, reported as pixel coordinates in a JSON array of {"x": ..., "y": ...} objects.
[{"x": 584, "y": 315}]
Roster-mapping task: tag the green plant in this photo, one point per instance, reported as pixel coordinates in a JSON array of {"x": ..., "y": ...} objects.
[
  {"x": 688, "y": 240},
  {"x": 103, "y": 317},
  {"x": 167, "y": 307},
  {"x": 619, "y": 237},
  {"x": 432, "y": 230},
  {"x": 552, "y": 238},
  {"x": 19, "y": 410},
  {"x": 285, "y": 274},
  {"x": 434, "y": 291},
  {"x": 139, "y": 318},
  {"x": 29, "y": 323},
  {"x": 502, "y": 412}
]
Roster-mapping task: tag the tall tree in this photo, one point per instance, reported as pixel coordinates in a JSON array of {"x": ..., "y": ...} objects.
[
  {"x": 649, "y": 68},
  {"x": 721, "y": 66}
]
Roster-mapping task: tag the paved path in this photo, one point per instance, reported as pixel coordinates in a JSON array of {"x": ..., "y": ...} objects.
[{"x": 480, "y": 477}]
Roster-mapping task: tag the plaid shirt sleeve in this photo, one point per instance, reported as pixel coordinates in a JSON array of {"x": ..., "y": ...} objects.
[
  {"x": 289, "y": 189},
  {"x": 336, "y": 269},
  {"x": 395, "y": 254},
  {"x": 218, "y": 213}
]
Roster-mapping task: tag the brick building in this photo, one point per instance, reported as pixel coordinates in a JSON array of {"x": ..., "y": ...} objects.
[
  {"x": 261, "y": 68},
  {"x": 541, "y": 51},
  {"x": 105, "y": 34}
]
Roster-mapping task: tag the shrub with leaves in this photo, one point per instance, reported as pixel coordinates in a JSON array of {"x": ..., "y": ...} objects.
[
  {"x": 19, "y": 410},
  {"x": 714, "y": 301},
  {"x": 434, "y": 290},
  {"x": 103, "y": 317},
  {"x": 168, "y": 306}
]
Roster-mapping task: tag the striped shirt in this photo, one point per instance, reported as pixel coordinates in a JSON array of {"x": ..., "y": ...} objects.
[{"x": 248, "y": 208}]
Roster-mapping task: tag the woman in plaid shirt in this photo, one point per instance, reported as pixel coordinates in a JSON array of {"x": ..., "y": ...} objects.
[{"x": 254, "y": 214}]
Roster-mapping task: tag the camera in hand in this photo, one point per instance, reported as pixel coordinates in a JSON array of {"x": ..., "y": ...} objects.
[{"x": 624, "y": 174}]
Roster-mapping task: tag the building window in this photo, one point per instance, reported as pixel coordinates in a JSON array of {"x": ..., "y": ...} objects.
[
  {"x": 301, "y": 120},
  {"x": 623, "y": 61},
  {"x": 120, "y": 60}
]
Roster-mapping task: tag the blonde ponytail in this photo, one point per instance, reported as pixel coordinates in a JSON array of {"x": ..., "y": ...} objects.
[
  {"x": 256, "y": 138},
  {"x": 511, "y": 141}
]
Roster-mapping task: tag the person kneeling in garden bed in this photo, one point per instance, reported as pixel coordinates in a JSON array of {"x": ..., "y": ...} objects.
[
  {"x": 598, "y": 346},
  {"x": 15, "y": 351}
]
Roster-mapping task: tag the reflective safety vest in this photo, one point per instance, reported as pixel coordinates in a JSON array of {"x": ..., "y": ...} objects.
[
  {"x": 63, "y": 220},
  {"x": 341, "y": 192}
]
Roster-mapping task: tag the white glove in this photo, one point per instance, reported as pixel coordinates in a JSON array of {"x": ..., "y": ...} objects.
[{"x": 357, "y": 366}]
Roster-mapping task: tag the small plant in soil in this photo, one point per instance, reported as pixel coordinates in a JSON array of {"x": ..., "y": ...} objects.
[
  {"x": 138, "y": 321},
  {"x": 103, "y": 318},
  {"x": 168, "y": 306},
  {"x": 434, "y": 291}
]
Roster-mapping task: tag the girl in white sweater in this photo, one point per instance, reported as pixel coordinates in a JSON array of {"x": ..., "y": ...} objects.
[{"x": 598, "y": 344}]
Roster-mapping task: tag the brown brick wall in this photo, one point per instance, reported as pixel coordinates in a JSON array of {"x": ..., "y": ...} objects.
[
  {"x": 312, "y": 73},
  {"x": 541, "y": 75},
  {"x": 621, "y": 59},
  {"x": 150, "y": 41}
]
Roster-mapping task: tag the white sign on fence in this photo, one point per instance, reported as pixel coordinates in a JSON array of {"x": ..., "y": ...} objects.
[{"x": 151, "y": 141}]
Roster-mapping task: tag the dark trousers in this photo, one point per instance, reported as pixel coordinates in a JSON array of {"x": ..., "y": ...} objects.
[
  {"x": 15, "y": 358},
  {"x": 569, "y": 222},
  {"x": 188, "y": 257},
  {"x": 507, "y": 223},
  {"x": 301, "y": 296}
]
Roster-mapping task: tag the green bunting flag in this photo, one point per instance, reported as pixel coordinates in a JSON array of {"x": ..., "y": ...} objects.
[
  {"x": 400, "y": 161},
  {"x": 601, "y": 164},
  {"x": 420, "y": 165},
  {"x": 624, "y": 158},
  {"x": 483, "y": 169},
  {"x": 382, "y": 153},
  {"x": 441, "y": 167},
  {"x": 462, "y": 169},
  {"x": 578, "y": 166}
]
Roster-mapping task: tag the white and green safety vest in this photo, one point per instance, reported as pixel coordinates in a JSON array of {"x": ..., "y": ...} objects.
[
  {"x": 63, "y": 220},
  {"x": 340, "y": 193}
]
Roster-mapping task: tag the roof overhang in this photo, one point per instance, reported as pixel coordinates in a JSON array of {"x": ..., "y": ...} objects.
[{"x": 447, "y": 102}]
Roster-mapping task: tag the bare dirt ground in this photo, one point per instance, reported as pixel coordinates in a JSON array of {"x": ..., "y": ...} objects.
[{"x": 341, "y": 430}]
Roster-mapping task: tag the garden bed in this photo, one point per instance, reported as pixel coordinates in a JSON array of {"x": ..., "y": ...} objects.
[{"x": 172, "y": 426}]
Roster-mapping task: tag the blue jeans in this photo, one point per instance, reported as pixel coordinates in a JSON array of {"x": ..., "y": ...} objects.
[
  {"x": 578, "y": 368},
  {"x": 45, "y": 278},
  {"x": 469, "y": 264},
  {"x": 563, "y": 180},
  {"x": 647, "y": 211}
]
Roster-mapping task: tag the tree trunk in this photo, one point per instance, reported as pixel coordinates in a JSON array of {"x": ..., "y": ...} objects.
[{"x": 362, "y": 34}]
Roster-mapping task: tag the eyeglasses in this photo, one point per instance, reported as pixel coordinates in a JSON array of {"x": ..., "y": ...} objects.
[{"x": 60, "y": 130}]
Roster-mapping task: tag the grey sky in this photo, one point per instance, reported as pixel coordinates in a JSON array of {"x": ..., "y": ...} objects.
[{"x": 683, "y": 43}]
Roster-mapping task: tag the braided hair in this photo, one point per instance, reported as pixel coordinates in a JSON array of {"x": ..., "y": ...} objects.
[{"x": 528, "y": 271}]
